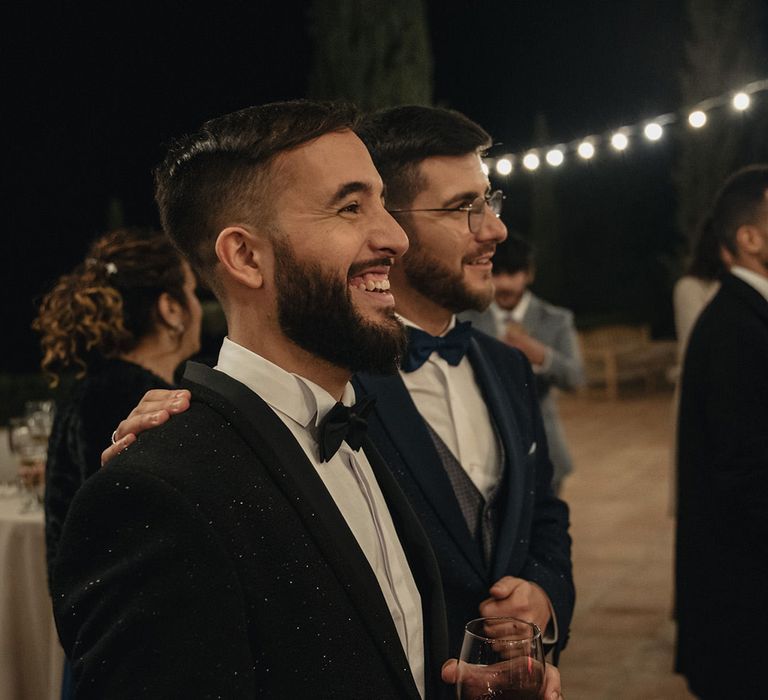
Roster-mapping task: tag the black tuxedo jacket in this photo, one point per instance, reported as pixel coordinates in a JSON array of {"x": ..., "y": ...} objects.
[
  {"x": 533, "y": 541},
  {"x": 722, "y": 527},
  {"x": 209, "y": 561}
]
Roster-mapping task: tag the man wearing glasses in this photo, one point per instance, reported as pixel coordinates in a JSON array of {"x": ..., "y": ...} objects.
[{"x": 460, "y": 424}]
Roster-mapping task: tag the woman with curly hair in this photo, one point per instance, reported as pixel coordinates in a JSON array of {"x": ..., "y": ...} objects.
[{"x": 123, "y": 321}]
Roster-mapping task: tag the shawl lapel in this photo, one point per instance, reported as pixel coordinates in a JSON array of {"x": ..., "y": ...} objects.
[
  {"x": 407, "y": 431},
  {"x": 501, "y": 409},
  {"x": 278, "y": 451}
]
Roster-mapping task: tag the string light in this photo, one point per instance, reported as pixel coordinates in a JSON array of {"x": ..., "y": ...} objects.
[
  {"x": 555, "y": 157},
  {"x": 741, "y": 101},
  {"x": 619, "y": 141},
  {"x": 653, "y": 131},
  {"x": 696, "y": 117},
  {"x": 504, "y": 166},
  {"x": 586, "y": 149},
  {"x": 485, "y": 168},
  {"x": 531, "y": 161}
]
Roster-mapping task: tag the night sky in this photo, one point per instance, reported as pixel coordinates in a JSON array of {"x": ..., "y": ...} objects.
[{"x": 95, "y": 91}]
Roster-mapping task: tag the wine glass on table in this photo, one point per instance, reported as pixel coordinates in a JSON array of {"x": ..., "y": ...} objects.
[
  {"x": 502, "y": 658},
  {"x": 30, "y": 452}
]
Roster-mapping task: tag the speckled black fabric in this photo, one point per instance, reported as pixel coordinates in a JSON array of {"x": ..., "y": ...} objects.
[
  {"x": 209, "y": 561},
  {"x": 82, "y": 429}
]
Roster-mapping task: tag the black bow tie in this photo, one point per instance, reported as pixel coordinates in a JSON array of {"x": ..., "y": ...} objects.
[
  {"x": 451, "y": 347},
  {"x": 343, "y": 423}
]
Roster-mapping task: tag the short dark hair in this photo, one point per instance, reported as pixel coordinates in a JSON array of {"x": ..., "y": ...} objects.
[
  {"x": 221, "y": 174},
  {"x": 513, "y": 255},
  {"x": 738, "y": 202},
  {"x": 400, "y": 138}
]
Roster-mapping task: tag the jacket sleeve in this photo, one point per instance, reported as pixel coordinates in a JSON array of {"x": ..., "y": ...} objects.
[
  {"x": 564, "y": 367},
  {"x": 145, "y": 598},
  {"x": 549, "y": 556}
]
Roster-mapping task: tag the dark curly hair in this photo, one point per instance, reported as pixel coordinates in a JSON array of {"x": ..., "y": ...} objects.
[{"x": 108, "y": 303}]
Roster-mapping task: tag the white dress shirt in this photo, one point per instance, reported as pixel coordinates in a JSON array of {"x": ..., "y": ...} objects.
[
  {"x": 754, "y": 280},
  {"x": 449, "y": 399},
  {"x": 301, "y": 405}
]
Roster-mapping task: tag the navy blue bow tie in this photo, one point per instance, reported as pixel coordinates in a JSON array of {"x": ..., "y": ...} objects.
[
  {"x": 451, "y": 347},
  {"x": 343, "y": 423}
]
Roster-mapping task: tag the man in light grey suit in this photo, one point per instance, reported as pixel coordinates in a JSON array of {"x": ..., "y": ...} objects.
[{"x": 545, "y": 333}]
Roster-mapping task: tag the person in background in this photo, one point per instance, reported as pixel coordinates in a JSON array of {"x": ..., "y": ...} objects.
[
  {"x": 721, "y": 567},
  {"x": 695, "y": 289},
  {"x": 543, "y": 332},
  {"x": 692, "y": 292},
  {"x": 122, "y": 321}
]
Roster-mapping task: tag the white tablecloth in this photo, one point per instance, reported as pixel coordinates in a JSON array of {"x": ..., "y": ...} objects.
[{"x": 31, "y": 659}]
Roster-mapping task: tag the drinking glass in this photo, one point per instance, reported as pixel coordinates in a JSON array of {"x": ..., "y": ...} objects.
[
  {"x": 30, "y": 450},
  {"x": 501, "y": 659}
]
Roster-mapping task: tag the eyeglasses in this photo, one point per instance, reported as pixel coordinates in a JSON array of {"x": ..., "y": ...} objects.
[{"x": 475, "y": 209}]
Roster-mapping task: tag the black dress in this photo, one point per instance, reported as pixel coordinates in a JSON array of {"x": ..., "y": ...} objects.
[{"x": 82, "y": 429}]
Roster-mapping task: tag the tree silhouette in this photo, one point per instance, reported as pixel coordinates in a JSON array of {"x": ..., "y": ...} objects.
[
  {"x": 723, "y": 52},
  {"x": 375, "y": 54}
]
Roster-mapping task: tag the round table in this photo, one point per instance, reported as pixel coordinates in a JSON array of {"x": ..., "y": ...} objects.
[{"x": 31, "y": 659}]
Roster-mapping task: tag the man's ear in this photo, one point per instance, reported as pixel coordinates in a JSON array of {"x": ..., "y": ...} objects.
[
  {"x": 241, "y": 254},
  {"x": 749, "y": 239}
]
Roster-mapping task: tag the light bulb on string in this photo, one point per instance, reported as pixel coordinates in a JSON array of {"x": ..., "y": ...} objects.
[
  {"x": 586, "y": 150},
  {"x": 555, "y": 157},
  {"x": 653, "y": 131},
  {"x": 697, "y": 119},
  {"x": 741, "y": 101},
  {"x": 619, "y": 141},
  {"x": 531, "y": 161},
  {"x": 504, "y": 166}
]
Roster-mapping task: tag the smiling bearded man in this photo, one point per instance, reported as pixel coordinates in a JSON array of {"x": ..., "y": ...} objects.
[
  {"x": 259, "y": 547},
  {"x": 326, "y": 323}
]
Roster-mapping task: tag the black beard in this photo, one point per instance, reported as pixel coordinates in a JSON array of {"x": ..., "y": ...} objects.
[
  {"x": 441, "y": 285},
  {"x": 315, "y": 311}
]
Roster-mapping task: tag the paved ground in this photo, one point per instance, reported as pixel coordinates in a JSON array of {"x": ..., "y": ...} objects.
[{"x": 622, "y": 633}]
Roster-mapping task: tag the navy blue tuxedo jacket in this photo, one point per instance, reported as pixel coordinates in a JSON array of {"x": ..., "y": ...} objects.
[{"x": 533, "y": 541}]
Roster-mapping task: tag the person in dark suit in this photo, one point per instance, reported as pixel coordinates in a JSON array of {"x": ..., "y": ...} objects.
[
  {"x": 252, "y": 548},
  {"x": 463, "y": 433},
  {"x": 543, "y": 332},
  {"x": 460, "y": 425},
  {"x": 722, "y": 496}
]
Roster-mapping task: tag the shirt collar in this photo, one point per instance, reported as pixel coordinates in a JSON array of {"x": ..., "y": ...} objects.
[
  {"x": 753, "y": 279},
  {"x": 451, "y": 324},
  {"x": 516, "y": 314},
  {"x": 293, "y": 395}
]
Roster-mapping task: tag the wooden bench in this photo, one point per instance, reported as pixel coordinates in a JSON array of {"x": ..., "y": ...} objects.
[{"x": 620, "y": 353}]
